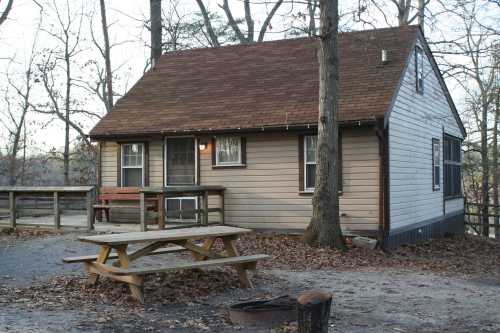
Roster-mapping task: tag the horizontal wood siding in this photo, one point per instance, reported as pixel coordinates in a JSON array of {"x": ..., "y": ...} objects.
[
  {"x": 414, "y": 121},
  {"x": 156, "y": 163},
  {"x": 265, "y": 194},
  {"x": 109, "y": 163}
]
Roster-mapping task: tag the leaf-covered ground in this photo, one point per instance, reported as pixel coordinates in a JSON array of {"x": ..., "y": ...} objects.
[
  {"x": 370, "y": 287},
  {"x": 458, "y": 255}
]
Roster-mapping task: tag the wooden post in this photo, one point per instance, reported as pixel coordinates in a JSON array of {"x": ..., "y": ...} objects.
[
  {"x": 313, "y": 311},
  {"x": 161, "y": 211},
  {"x": 90, "y": 210},
  {"x": 143, "y": 212},
  {"x": 12, "y": 209},
  {"x": 221, "y": 207},
  {"x": 57, "y": 215},
  {"x": 205, "y": 208}
]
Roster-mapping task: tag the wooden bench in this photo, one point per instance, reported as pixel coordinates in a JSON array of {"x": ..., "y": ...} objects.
[
  {"x": 127, "y": 270},
  {"x": 109, "y": 196}
]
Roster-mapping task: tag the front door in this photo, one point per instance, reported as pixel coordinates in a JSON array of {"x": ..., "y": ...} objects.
[{"x": 180, "y": 170}]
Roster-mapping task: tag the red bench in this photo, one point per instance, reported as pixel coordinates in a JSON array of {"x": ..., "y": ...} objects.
[{"x": 110, "y": 197}]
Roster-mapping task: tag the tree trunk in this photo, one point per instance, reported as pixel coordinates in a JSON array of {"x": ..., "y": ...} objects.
[
  {"x": 313, "y": 311},
  {"x": 311, "y": 6},
  {"x": 485, "y": 164},
  {"x": 421, "y": 13},
  {"x": 495, "y": 166},
  {"x": 107, "y": 58},
  {"x": 324, "y": 228},
  {"x": 67, "y": 113},
  {"x": 155, "y": 15},
  {"x": 208, "y": 25}
]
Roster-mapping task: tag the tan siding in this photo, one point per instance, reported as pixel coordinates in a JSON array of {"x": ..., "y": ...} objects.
[
  {"x": 108, "y": 163},
  {"x": 156, "y": 163},
  {"x": 265, "y": 194}
]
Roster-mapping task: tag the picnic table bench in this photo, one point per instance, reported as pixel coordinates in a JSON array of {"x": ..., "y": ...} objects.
[{"x": 158, "y": 243}]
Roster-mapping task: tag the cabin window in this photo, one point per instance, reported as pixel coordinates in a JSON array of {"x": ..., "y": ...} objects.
[
  {"x": 436, "y": 168},
  {"x": 229, "y": 151},
  {"x": 419, "y": 69},
  {"x": 307, "y": 150},
  {"x": 310, "y": 143},
  {"x": 452, "y": 167},
  {"x": 132, "y": 164}
]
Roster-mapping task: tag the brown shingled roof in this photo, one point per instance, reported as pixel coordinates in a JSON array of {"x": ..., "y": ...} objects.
[{"x": 259, "y": 85}]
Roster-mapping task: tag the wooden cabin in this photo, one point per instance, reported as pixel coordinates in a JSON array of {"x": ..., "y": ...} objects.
[{"x": 245, "y": 117}]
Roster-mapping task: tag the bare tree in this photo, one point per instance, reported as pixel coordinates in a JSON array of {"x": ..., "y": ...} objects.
[
  {"x": 324, "y": 228},
  {"x": 66, "y": 32},
  {"x": 241, "y": 36},
  {"x": 6, "y": 11},
  {"x": 106, "y": 53}
]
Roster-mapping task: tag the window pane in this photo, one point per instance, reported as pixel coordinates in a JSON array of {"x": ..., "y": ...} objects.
[
  {"x": 310, "y": 175},
  {"x": 132, "y": 155},
  {"x": 188, "y": 204},
  {"x": 173, "y": 208},
  {"x": 132, "y": 177},
  {"x": 180, "y": 161},
  {"x": 228, "y": 150},
  {"x": 311, "y": 142}
]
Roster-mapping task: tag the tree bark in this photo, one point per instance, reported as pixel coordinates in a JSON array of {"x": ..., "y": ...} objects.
[
  {"x": 421, "y": 13},
  {"x": 495, "y": 165},
  {"x": 155, "y": 15},
  {"x": 485, "y": 165},
  {"x": 249, "y": 20},
  {"x": 313, "y": 311},
  {"x": 67, "y": 104},
  {"x": 324, "y": 228},
  {"x": 107, "y": 58}
]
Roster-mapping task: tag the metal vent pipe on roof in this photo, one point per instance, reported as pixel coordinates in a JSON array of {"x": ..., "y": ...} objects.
[{"x": 385, "y": 56}]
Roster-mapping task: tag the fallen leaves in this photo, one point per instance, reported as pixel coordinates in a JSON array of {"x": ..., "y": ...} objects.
[{"x": 457, "y": 255}]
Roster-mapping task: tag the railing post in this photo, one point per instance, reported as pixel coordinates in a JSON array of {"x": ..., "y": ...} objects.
[
  {"x": 12, "y": 209},
  {"x": 222, "y": 207},
  {"x": 143, "y": 212},
  {"x": 205, "y": 207},
  {"x": 90, "y": 209},
  {"x": 57, "y": 216}
]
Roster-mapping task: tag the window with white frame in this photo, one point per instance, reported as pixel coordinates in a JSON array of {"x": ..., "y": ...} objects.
[
  {"x": 228, "y": 150},
  {"x": 132, "y": 164},
  {"x": 436, "y": 164},
  {"x": 310, "y": 142},
  {"x": 419, "y": 70}
]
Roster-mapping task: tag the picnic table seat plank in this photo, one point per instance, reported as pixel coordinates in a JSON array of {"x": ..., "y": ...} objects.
[
  {"x": 164, "y": 235},
  {"x": 151, "y": 269},
  {"x": 89, "y": 258}
]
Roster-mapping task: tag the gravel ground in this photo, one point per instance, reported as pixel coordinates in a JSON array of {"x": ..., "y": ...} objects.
[{"x": 371, "y": 300}]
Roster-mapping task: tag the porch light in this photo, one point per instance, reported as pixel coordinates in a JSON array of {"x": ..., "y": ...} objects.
[{"x": 202, "y": 145}]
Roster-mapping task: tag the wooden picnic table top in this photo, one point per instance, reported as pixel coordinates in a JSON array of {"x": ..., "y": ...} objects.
[
  {"x": 45, "y": 189},
  {"x": 164, "y": 235}
]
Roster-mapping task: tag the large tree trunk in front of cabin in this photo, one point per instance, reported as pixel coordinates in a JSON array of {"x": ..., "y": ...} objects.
[
  {"x": 324, "y": 228},
  {"x": 156, "y": 38}
]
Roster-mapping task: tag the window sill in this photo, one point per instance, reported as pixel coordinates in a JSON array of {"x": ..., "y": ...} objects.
[
  {"x": 460, "y": 196},
  {"x": 309, "y": 193},
  {"x": 229, "y": 166}
]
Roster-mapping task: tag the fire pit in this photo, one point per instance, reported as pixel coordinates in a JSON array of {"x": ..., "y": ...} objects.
[{"x": 264, "y": 313}]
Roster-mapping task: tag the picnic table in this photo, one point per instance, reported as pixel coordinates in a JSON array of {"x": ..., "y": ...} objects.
[{"x": 157, "y": 242}]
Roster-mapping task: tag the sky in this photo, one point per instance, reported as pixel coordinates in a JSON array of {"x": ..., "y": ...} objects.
[{"x": 128, "y": 56}]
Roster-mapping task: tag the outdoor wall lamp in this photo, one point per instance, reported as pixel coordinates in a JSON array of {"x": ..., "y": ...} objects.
[{"x": 202, "y": 145}]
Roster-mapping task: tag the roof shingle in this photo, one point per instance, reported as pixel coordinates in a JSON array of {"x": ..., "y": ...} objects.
[{"x": 259, "y": 85}]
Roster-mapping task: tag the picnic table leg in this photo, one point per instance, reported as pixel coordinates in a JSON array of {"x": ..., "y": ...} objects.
[
  {"x": 231, "y": 251},
  {"x": 207, "y": 245},
  {"x": 101, "y": 259},
  {"x": 136, "y": 287}
]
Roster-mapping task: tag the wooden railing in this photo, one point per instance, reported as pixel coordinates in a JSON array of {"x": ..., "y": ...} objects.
[
  {"x": 474, "y": 218},
  {"x": 14, "y": 193}
]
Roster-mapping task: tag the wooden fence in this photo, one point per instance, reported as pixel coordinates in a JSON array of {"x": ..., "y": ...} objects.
[{"x": 474, "y": 221}]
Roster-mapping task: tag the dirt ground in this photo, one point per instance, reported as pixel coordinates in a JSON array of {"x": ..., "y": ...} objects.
[{"x": 409, "y": 291}]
